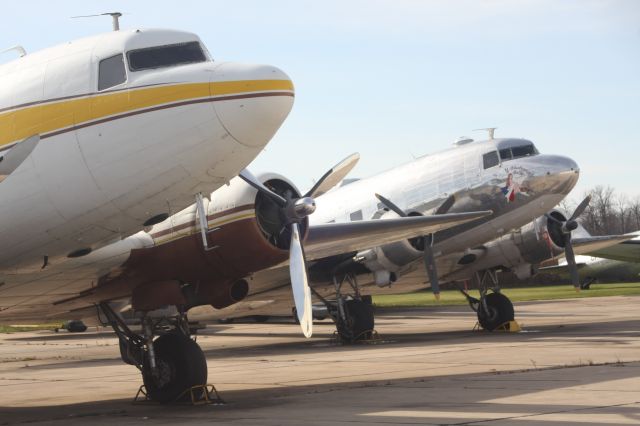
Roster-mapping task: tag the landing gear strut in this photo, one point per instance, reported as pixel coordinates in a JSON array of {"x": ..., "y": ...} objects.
[
  {"x": 352, "y": 313},
  {"x": 171, "y": 364},
  {"x": 493, "y": 309}
]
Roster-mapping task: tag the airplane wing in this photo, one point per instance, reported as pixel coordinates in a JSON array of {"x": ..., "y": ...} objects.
[
  {"x": 336, "y": 238},
  {"x": 626, "y": 251},
  {"x": 609, "y": 245},
  {"x": 560, "y": 269}
]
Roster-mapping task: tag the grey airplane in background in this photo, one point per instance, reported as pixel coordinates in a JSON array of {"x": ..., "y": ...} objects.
[{"x": 507, "y": 176}]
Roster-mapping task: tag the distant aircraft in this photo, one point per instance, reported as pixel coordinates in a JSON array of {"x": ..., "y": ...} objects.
[
  {"x": 507, "y": 176},
  {"x": 619, "y": 262},
  {"x": 103, "y": 136}
]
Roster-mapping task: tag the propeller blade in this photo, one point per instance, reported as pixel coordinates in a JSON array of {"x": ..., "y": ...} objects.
[
  {"x": 299, "y": 282},
  {"x": 391, "y": 206},
  {"x": 333, "y": 176},
  {"x": 248, "y": 177},
  {"x": 580, "y": 209},
  {"x": 430, "y": 266},
  {"x": 446, "y": 205},
  {"x": 571, "y": 262}
]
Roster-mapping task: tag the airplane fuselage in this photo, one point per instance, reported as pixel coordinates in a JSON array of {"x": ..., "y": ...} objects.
[{"x": 124, "y": 141}]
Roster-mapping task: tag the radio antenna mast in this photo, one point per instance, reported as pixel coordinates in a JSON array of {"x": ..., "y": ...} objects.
[
  {"x": 115, "y": 16},
  {"x": 490, "y": 130}
]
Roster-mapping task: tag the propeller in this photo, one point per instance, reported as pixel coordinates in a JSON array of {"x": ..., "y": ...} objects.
[
  {"x": 425, "y": 243},
  {"x": 566, "y": 227},
  {"x": 294, "y": 211}
]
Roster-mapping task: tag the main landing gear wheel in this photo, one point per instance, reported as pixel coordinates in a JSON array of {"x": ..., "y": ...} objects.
[
  {"x": 498, "y": 311},
  {"x": 359, "y": 321},
  {"x": 180, "y": 365}
]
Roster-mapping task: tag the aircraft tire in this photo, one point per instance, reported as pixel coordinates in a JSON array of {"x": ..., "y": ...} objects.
[
  {"x": 360, "y": 321},
  {"x": 500, "y": 311},
  {"x": 181, "y": 365}
]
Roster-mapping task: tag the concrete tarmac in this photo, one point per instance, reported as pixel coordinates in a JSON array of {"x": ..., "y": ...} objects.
[{"x": 576, "y": 362}]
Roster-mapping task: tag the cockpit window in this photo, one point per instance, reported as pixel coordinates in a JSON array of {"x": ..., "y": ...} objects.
[
  {"x": 165, "y": 56},
  {"x": 111, "y": 72},
  {"x": 527, "y": 150},
  {"x": 490, "y": 159},
  {"x": 505, "y": 154}
]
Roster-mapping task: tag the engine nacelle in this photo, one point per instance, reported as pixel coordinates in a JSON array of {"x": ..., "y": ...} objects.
[
  {"x": 519, "y": 251},
  {"x": 269, "y": 217},
  {"x": 542, "y": 239},
  {"x": 385, "y": 261}
]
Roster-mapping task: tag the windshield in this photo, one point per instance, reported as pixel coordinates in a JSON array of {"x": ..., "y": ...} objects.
[
  {"x": 165, "y": 56},
  {"x": 525, "y": 150}
]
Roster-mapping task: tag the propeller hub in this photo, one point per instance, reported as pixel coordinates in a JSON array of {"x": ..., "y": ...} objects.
[
  {"x": 570, "y": 225},
  {"x": 304, "y": 206}
]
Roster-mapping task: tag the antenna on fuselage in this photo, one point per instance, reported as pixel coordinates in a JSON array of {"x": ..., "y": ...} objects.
[
  {"x": 490, "y": 130},
  {"x": 115, "y": 16},
  {"x": 17, "y": 48}
]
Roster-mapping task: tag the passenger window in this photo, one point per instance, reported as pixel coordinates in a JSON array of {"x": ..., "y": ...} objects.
[
  {"x": 165, "y": 56},
  {"x": 356, "y": 216},
  {"x": 111, "y": 72},
  {"x": 490, "y": 159}
]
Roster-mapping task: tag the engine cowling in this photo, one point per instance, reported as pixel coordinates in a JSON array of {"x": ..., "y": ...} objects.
[
  {"x": 386, "y": 261},
  {"x": 270, "y": 217},
  {"x": 519, "y": 251}
]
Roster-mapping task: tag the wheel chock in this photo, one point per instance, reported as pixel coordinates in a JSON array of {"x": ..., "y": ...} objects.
[
  {"x": 195, "y": 395},
  {"x": 509, "y": 326}
]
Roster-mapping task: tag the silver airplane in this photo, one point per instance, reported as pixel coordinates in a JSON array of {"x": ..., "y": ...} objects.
[{"x": 507, "y": 176}]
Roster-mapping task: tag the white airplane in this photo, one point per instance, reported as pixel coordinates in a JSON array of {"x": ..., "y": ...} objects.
[{"x": 103, "y": 136}]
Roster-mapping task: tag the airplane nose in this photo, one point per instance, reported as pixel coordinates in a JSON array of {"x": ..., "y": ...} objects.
[
  {"x": 252, "y": 101},
  {"x": 555, "y": 173}
]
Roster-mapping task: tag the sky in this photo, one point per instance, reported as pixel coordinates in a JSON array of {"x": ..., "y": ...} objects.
[{"x": 397, "y": 79}]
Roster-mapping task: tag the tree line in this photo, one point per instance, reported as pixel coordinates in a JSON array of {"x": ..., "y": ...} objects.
[{"x": 608, "y": 212}]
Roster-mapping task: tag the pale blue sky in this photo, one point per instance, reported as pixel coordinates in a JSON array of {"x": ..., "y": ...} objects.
[{"x": 396, "y": 78}]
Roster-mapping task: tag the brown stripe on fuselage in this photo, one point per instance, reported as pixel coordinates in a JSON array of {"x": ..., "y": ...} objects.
[
  {"x": 166, "y": 106},
  {"x": 193, "y": 222}
]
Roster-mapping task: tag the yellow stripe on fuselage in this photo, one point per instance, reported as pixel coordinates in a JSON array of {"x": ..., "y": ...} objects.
[{"x": 51, "y": 116}]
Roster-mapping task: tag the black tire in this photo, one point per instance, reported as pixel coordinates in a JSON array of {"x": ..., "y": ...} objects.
[
  {"x": 181, "y": 365},
  {"x": 76, "y": 326},
  {"x": 360, "y": 321},
  {"x": 500, "y": 311}
]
